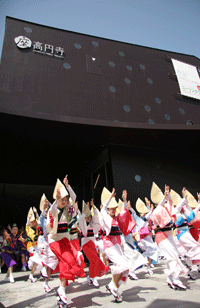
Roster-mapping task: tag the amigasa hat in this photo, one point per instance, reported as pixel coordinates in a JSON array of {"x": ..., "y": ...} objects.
[
  {"x": 120, "y": 207},
  {"x": 105, "y": 195},
  {"x": 42, "y": 202},
  {"x": 156, "y": 194},
  {"x": 141, "y": 207},
  {"x": 61, "y": 187},
  {"x": 31, "y": 215},
  {"x": 85, "y": 209},
  {"x": 176, "y": 198},
  {"x": 192, "y": 201}
]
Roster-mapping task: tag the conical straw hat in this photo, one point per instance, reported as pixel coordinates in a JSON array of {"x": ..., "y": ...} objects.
[
  {"x": 84, "y": 206},
  {"x": 192, "y": 201},
  {"x": 141, "y": 207},
  {"x": 42, "y": 202},
  {"x": 85, "y": 209},
  {"x": 105, "y": 195},
  {"x": 156, "y": 194},
  {"x": 120, "y": 206},
  {"x": 31, "y": 215},
  {"x": 176, "y": 198},
  {"x": 61, "y": 187},
  {"x": 92, "y": 210}
]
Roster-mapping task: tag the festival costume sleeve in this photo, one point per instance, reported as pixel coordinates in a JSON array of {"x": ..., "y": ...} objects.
[
  {"x": 78, "y": 215},
  {"x": 32, "y": 236},
  {"x": 126, "y": 221},
  {"x": 140, "y": 223},
  {"x": 161, "y": 217},
  {"x": 193, "y": 218},
  {"x": 148, "y": 215},
  {"x": 180, "y": 205},
  {"x": 187, "y": 212},
  {"x": 71, "y": 193},
  {"x": 96, "y": 224},
  {"x": 125, "y": 205},
  {"x": 41, "y": 219},
  {"x": 132, "y": 210},
  {"x": 52, "y": 219},
  {"x": 197, "y": 208},
  {"x": 106, "y": 219},
  {"x": 82, "y": 225}
]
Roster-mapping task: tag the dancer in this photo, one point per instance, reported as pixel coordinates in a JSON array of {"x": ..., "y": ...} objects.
[
  {"x": 48, "y": 257},
  {"x": 195, "y": 223},
  {"x": 129, "y": 247},
  {"x": 61, "y": 217},
  {"x": 184, "y": 218},
  {"x": 35, "y": 260},
  {"x": 99, "y": 242},
  {"x": 163, "y": 218},
  {"x": 89, "y": 226},
  {"x": 142, "y": 227},
  {"x": 112, "y": 240}
]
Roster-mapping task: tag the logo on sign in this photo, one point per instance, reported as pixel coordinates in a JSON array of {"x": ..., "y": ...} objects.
[
  {"x": 23, "y": 42},
  {"x": 39, "y": 47}
]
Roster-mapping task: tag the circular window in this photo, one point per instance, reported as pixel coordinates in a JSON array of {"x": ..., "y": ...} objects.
[
  {"x": 27, "y": 29},
  {"x": 112, "y": 88},
  {"x": 182, "y": 111},
  {"x": 151, "y": 121},
  {"x": 190, "y": 122},
  {"x": 127, "y": 80},
  {"x": 158, "y": 100},
  {"x": 94, "y": 43},
  {"x": 129, "y": 68},
  {"x": 67, "y": 66},
  {"x": 127, "y": 108},
  {"x": 142, "y": 66},
  {"x": 167, "y": 117},
  {"x": 150, "y": 80},
  {"x": 121, "y": 53},
  {"x": 78, "y": 46},
  {"x": 112, "y": 64},
  {"x": 138, "y": 178},
  {"x": 147, "y": 108}
]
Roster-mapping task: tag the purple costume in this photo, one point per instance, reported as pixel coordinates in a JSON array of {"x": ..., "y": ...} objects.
[{"x": 7, "y": 253}]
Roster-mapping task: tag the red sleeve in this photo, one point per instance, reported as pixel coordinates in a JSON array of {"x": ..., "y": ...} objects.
[{"x": 126, "y": 222}]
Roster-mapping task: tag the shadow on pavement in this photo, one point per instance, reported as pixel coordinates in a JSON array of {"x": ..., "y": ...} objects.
[{"x": 161, "y": 303}]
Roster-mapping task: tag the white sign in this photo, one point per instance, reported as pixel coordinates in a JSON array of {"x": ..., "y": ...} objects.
[
  {"x": 188, "y": 78},
  {"x": 48, "y": 50},
  {"x": 45, "y": 49},
  {"x": 23, "y": 42}
]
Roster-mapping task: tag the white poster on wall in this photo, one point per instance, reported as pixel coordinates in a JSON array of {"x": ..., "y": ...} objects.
[{"x": 188, "y": 79}]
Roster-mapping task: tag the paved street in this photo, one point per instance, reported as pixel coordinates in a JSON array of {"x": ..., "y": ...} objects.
[{"x": 148, "y": 291}]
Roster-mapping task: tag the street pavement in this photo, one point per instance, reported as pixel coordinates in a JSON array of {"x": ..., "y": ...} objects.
[{"x": 150, "y": 291}]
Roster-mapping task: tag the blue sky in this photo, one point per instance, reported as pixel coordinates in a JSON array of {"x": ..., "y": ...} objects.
[{"x": 172, "y": 25}]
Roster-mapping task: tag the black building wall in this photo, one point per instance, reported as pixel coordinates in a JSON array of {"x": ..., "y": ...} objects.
[{"x": 134, "y": 169}]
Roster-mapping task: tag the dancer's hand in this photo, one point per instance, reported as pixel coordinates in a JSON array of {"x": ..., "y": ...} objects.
[
  {"x": 124, "y": 195},
  {"x": 58, "y": 194},
  {"x": 113, "y": 194},
  {"x": 65, "y": 181},
  {"x": 184, "y": 192}
]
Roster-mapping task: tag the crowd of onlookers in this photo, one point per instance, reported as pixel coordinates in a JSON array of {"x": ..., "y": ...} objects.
[{"x": 12, "y": 241}]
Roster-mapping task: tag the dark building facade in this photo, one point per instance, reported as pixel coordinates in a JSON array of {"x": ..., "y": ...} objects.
[{"x": 104, "y": 112}]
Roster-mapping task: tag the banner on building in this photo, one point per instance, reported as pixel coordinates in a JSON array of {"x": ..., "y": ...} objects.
[{"x": 188, "y": 78}]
